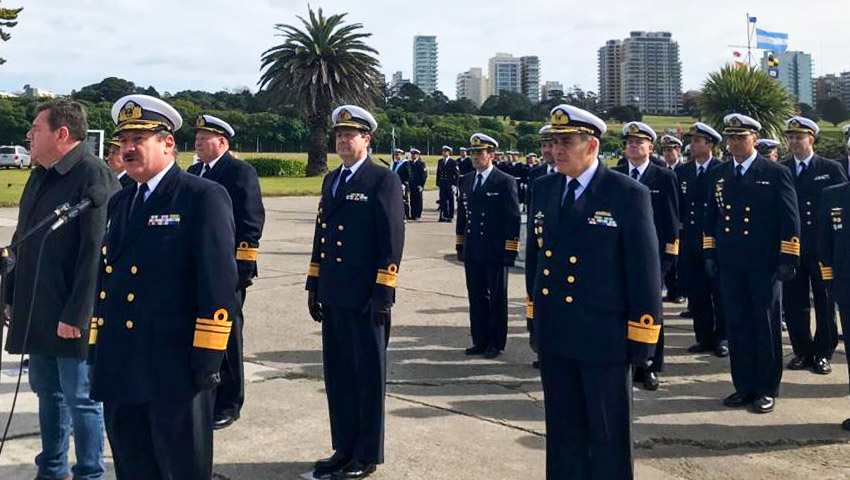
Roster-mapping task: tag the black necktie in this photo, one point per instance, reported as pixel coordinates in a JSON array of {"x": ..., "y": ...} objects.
[
  {"x": 635, "y": 173},
  {"x": 139, "y": 200},
  {"x": 700, "y": 171},
  {"x": 479, "y": 179},
  {"x": 569, "y": 197},
  {"x": 802, "y": 170},
  {"x": 343, "y": 176},
  {"x": 739, "y": 171},
  {"x": 206, "y": 170}
]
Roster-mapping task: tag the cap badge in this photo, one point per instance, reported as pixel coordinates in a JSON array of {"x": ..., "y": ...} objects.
[
  {"x": 131, "y": 111},
  {"x": 559, "y": 118},
  {"x": 735, "y": 122},
  {"x": 344, "y": 115}
]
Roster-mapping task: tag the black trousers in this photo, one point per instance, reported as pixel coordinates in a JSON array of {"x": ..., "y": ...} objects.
[
  {"x": 750, "y": 300},
  {"x": 162, "y": 441},
  {"x": 487, "y": 288},
  {"x": 354, "y": 350},
  {"x": 588, "y": 419},
  {"x": 795, "y": 299},
  {"x": 703, "y": 299},
  {"x": 230, "y": 394},
  {"x": 671, "y": 281},
  {"x": 447, "y": 202},
  {"x": 415, "y": 202},
  {"x": 841, "y": 294}
]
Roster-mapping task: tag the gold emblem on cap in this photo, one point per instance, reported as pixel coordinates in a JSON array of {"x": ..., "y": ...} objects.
[
  {"x": 131, "y": 111},
  {"x": 634, "y": 129},
  {"x": 476, "y": 141},
  {"x": 735, "y": 122},
  {"x": 795, "y": 124},
  {"x": 201, "y": 122},
  {"x": 344, "y": 115},
  {"x": 559, "y": 118}
]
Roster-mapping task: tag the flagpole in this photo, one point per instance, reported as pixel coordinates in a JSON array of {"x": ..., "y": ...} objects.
[{"x": 749, "y": 42}]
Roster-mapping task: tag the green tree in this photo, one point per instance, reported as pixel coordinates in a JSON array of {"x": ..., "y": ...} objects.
[
  {"x": 324, "y": 64},
  {"x": 806, "y": 110},
  {"x": 109, "y": 89},
  {"x": 748, "y": 91},
  {"x": 833, "y": 110},
  {"x": 8, "y": 19},
  {"x": 509, "y": 104}
]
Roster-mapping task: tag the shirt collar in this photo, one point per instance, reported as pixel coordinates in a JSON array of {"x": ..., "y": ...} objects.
[
  {"x": 486, "y": 173},
  {"x": 704, "y": 165},
  {"x": 807, "y": 160},
  {"x": 641, "y": 168},
  {"x": 67, "y": 161},
  {"x": 212, "y": 163},
  {"x": 121, "y": 175},
  {"x": 585, "y": 177},
  {"x": 356, "y": 166},
  {"x": 671, "y": 167},
  {"x": 154, "y": 182},
  {"x": 746, "y": 163}
]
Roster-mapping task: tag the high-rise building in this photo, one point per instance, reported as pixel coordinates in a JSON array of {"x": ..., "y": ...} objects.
[
  {"x": 794, "y": 72},
  {"x": 845, "y": 88},
  {"x": 425, "y": 63},
  {"x": 395, "y": 85},
  {"x": 643, "y": 70},
  {"x": 529, "y": 68},
  {"x": 551, "y": 90},
  {"x": 827, "y": 86},
  {"x": 505, "y": 74},
  {"x": 472, "y": 86}
]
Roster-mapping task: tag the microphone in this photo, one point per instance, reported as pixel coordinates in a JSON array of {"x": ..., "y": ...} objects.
[{"x": 94, "y": 198}]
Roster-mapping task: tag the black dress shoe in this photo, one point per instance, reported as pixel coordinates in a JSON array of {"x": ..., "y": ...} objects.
[
  {"x": 650, "y": 381},
  {"x": 326, "y": 466},
  {"x": 845, "y": 425},
  {"x": 354, "y": 469},
  {"x": 535, "y": 364},
  {"x": 475, "y": 350},
  {"x": 224, "y": 421},
  {"x": 764, "y": 404},
  {"x": 736, "y": 400},
  {"x": 686, "y": 314},
  {"x": 678, "y": 299},
  {"x": 798, "y": 363},
  {"x": 721, "y": 350},
  {"x": 822, "y": 367},
  {"x": 698, "y": 348},
  {"x": 492, "y": 353}
]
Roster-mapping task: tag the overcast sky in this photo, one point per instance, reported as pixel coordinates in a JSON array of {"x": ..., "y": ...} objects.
[{"x": 174, "y": 45}]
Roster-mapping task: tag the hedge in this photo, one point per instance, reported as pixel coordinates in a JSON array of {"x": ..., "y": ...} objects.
[{"x": 278, "y": 167}]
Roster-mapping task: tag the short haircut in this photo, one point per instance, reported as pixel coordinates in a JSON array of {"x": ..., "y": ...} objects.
[
  {"x": 66, "y": 113},
  {"x": 162, "y": 135}
]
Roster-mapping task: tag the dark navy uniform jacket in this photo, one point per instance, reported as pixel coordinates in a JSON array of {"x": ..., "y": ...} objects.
[
  {"x": 834, "y": 242},
  {"x": 821, "y": 173},
  {"x": 694, "y": 195},
  {"x": 663, "y": 188},
  {"x": 447, "y": 174},
  {"x": 752, "y": 222},
  {"x": 597, "y": 272},
  {"x": 126, "y": 181},
  {"x": 358, "y": 240},
  {"x": 418, "y": 173},
  {"x": 166, "y": 291},
  {"x": 464, "y": 166},
  {"x": 242, "y": 184},
  {"x": 488, "y": 220}
]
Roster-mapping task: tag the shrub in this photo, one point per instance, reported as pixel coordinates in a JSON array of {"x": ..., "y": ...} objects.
[{"x": 277, "y": 167}]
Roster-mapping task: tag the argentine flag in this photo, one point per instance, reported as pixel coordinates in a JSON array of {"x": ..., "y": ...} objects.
[{"x": 777, "y": 42}]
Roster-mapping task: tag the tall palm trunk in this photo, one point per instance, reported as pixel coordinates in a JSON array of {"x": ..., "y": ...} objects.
[{"x": 317, "y": 155}]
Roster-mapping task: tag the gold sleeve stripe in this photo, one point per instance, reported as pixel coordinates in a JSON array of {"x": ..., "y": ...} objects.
[
  {"x": 672, "y": 248},
  {"x": 249, "y": 254},
  {"x": 826, "y": 273},
  {"x": 314, "y": 270},
  {"x": 644, "y": 331},
  {"x": 512, "y": 245},
  {"x": 212, "y": 334},
  {"x": 791, "y": 247},
  {"x": 458, "y": 239},
  {"x": 529, "y": 309},
  {"x": 93, "y": 332},
  {"x": 708, "y": 243},
  {"x": 387, "y": 278}
]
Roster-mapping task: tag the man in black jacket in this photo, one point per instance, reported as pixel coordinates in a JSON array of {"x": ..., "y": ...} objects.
[
  {"x": 51, "y": 309},
  {"x": 812, "y": 173},
  {"x": 357, "y": 249},
  {"x": 418, "y": 177},
  {"x": 116, "y": 164},
  {"x": 163, "y": 314},
  {"x": 212, "y": 144},
  {"x": 401, "y": 166},
  {"x": 464, "y": 163},
  {"x": 661, "y": 182},
  {"x": 751, "y": 243},
  {"x": 447, "y": 176},
  {"x": 487, "y": 243},
  {"x": 597, "y": 300},
  {"x": 694, "y": 195}
]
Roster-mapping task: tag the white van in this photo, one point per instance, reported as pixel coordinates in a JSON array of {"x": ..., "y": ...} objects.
[{"x": 14, "y": 156}]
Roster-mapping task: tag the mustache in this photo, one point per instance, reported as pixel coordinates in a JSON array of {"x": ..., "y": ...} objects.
[{"x": 129, "y": 157}]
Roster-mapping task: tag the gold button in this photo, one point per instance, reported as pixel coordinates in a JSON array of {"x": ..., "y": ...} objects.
[
  {"x": 747, "y": 209},
  {"x": 129, "y": 324},
  {"x": 99, "y": 322},
  {"x": 548, "y": 253},
  {"x": 746, "y": 232},
  {"x": 341, "y": 228},
  {"x": 338, "y": 260},
  {"x": 324, "y": 225},
  {"x": 103, "y": 250},
  {"x": 102, "y": 295},
  {"x": 338, "y": 243},
  {"x": 569, "y": 299},
  {"x": 131, "y": 297},
  {"x": 573, "y": 260},
  {"x": 726, "y": 229},
  {"x": 134, "y": 270},
  {"x": 322, "y": 240},
  {"x": 728, "y": 218},
  {"x": 322, "y": 255},
  {"x": 545, "y": 291},
  {"x": 108, "y": 269},
  {"x": 807, "y": 203},
  {"x": 746, "y": 220},
  {"x": 546, "y": 272},
  {"x": 571, "y": 279}
]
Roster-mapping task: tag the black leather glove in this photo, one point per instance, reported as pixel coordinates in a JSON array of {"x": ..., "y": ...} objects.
[
  {"x": 508, "y": 261},
  {"x": 641, "y": 362},
  {"x": 460, "y": 253},
  {"x": 382, "y": 314},
  {"x": 710, "y": 267},
  {"x": 784, "y": 273},
  {"x": 206, "y": 380},
  {"x": 314, "y": 306}
]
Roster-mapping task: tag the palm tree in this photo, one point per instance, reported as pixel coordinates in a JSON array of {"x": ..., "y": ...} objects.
[
  {"x": 747, "y": 91},
  {"x": 316, "y": 68},
  {"x": 8, "y": 19}
]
